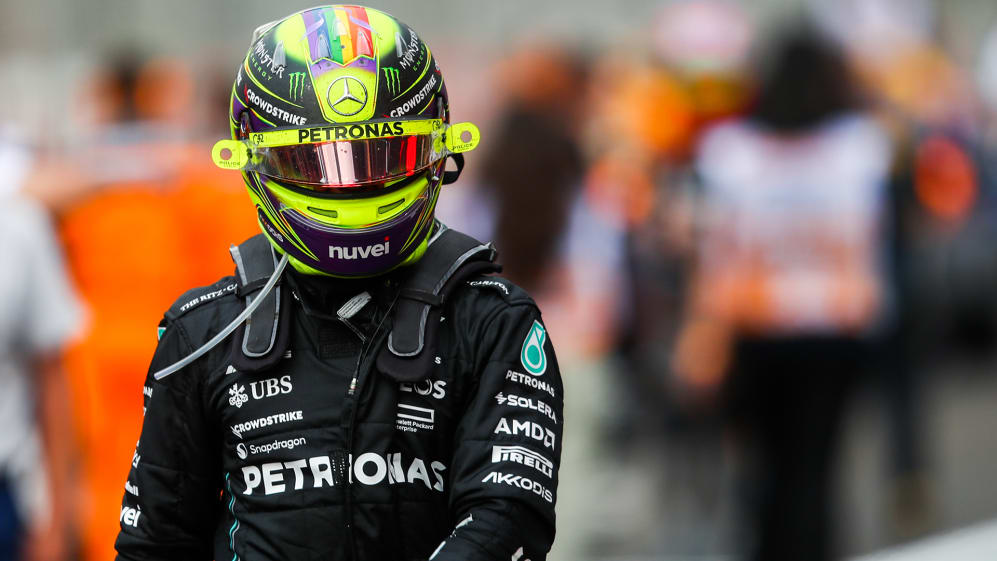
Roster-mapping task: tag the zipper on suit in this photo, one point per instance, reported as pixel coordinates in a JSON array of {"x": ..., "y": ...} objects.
[{"x": 353, "y": 396}]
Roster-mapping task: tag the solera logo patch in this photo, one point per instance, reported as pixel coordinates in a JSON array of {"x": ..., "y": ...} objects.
[{"x": 533, "y": 357}]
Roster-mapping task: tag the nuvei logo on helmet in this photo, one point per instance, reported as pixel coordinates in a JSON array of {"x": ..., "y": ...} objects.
[{"x": 359, "y": 252}]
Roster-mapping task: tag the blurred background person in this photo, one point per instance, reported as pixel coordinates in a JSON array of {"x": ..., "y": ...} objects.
[
  {"x": 561, "y": 246},
  {"x": 941, "y": 219},
  {"x": 790, "y": 288},
  {"x": 653, "y": 104},
  {"x": 150, "y": 232},
  {"x": 39, "y": 314}
]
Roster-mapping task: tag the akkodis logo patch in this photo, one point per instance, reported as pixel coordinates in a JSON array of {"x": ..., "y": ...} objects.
[{"x": 533, "y": 357}]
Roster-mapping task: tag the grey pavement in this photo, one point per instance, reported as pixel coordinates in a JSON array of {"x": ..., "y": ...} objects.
[{"x": 674, "y": 500}]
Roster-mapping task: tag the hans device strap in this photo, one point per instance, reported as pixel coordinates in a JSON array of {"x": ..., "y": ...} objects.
[
  {"x": 214, "y": 341},
  {"x": 263, "y": 339},
  {"x": 451, "y": 257}
]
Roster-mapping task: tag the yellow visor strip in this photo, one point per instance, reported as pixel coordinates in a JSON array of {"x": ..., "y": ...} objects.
[
  {"x": 235, "y": 154},
  {"x": 332, "y": 133}
]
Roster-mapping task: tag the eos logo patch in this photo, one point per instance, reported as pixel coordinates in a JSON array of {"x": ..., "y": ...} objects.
[
  {"x": 533, "y": 357},
  {"x": 435, "y": 388},
  {"x": 347, "y": 96}
]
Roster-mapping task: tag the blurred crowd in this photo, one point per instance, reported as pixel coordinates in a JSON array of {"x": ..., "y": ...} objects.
[{"x": 733, "y": 228}]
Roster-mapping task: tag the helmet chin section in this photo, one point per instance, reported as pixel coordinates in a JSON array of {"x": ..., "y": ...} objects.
[
  {"x": 306, "y": 269},
  {"x": 348, "y": 249}
]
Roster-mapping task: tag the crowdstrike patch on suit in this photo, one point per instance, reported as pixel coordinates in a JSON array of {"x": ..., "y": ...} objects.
[{"x": 239, "y": 428}]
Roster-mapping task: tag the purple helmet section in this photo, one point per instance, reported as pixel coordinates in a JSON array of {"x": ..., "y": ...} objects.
[{"x": 354, "y": 252}]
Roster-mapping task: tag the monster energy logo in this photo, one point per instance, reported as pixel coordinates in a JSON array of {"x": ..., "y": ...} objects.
[
  {"x": 391, "y": 76},
  {"x": 297, "y": 87}
]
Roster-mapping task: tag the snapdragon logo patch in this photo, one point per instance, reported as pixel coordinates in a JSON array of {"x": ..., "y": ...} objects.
[
  {"x": 289, "y": 444},
  {"x": 533, "y": 357}
]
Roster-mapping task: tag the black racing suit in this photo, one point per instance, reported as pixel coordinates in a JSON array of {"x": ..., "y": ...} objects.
[{"x": 324, "y": 457}]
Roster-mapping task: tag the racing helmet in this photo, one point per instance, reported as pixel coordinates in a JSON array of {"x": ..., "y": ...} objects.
[{"x": 340, "y": 127}]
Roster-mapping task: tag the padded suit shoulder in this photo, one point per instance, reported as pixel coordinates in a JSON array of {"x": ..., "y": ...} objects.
[
  {"x": 197, "y": 297},
  {"x": 201, "y": 312},
  {"x": 510, "y": 292}
]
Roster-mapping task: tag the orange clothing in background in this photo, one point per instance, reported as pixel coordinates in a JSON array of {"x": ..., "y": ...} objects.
[{"x": 133, "y": 249}]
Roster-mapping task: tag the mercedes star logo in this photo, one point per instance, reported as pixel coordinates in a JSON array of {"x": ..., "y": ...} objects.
[{"x": 353, "y": 98}]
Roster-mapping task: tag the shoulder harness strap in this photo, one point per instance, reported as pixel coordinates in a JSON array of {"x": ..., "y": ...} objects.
[
  {"x": 450, "y": 258},
  {"x": 261, "y": 341}
]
